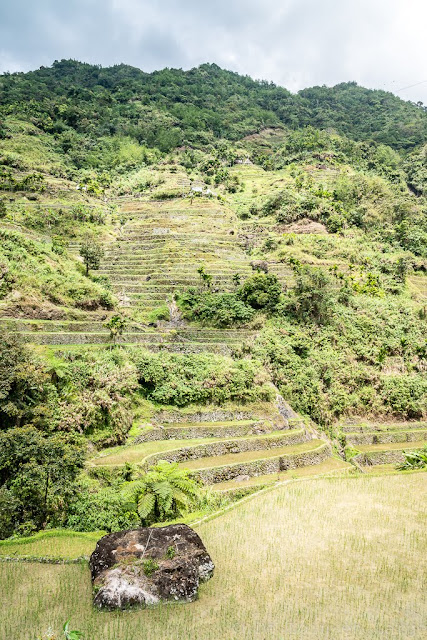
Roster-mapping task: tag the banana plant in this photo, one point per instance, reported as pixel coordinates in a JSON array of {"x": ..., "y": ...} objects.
[{"x": 71, "y": 635}]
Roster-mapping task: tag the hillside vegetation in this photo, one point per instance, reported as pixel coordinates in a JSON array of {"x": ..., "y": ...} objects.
[{"x": 184, "y": 255}]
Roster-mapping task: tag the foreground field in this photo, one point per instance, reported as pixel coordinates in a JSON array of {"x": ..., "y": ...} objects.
[{"x": 314, "y": 559}]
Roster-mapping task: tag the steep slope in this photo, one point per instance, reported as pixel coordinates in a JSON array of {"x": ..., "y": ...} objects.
[{"x": 248, "y": 244}]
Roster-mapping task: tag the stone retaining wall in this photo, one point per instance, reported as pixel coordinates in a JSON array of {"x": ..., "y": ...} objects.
[
  {"x": 223, "y": 448},
  {"x": 380, "y": 457},
  {"x": 382, "y": 437},
  {"x": 215, "y": 414},
  {"x": 39, "y": 337},
  {"x": 53, "y": 338},
  {"x": 263, "y": 467},
  {"x": 383, "y": 428},
  {"x": 231, "y": 431}
]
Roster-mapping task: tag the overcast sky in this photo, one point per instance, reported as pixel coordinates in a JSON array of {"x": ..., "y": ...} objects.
[{"x": 295, "y": 43}]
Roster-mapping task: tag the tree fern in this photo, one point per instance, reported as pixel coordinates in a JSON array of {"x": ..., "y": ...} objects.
[
  {"x": 162, "y": 493},
  {"x": 146, "y": 504}
]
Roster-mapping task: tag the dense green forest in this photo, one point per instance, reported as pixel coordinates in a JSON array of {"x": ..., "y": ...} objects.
[
  {"x": 321, "y": 195},
  {"x": 168, "y": 108}
]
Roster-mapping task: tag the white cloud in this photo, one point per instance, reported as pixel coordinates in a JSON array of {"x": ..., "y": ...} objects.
[{"x": 295, "y": 43}]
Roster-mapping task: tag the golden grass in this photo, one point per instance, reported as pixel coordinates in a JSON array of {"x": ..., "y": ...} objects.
[
  {"x": 329, "y": 466},
  {"x": 318, "y": 559},
  {"x": 247, "y": 456},
  {"x": 139, "y": 452}
]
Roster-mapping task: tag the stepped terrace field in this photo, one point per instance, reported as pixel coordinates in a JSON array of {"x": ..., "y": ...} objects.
[
  {"x": 222, "y": 450},
  {"x": 283, "y": 571},
  {"x": 382, "y": 444},
  {"x": 153, "y": 254}
]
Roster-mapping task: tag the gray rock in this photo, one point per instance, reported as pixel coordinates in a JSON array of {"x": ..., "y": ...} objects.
[
  {"x": 149, "y": 565},
  {"x": 259, "y": 265},
  {"x": 242, "y": 478}
]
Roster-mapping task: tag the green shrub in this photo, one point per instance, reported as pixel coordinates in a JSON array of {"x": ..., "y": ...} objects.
[
  {"x": 215, "y": 309},
  {"x": 94, "y": 395},
  {"x": 162, "y": 493},
  {"x": 159, "y": 313},
  {"x": 178, "y": 379},
  {"x": 103, "y": 510},
  {"x": 149, "y": 566},
  {"x": 416, "y": 459},
  {"x": 406, "y": 395},
  {"x": 261, "y": 291},
  {"x": 313, "y": 296}
]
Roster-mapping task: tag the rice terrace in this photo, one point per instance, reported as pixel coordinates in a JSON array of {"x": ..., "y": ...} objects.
[{"x": 213, "y": 358}]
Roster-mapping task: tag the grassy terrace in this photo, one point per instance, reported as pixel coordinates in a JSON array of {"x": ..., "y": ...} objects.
[
  {"x": 331, "y": 466},
  {"x": 281, "y": 572},
  {"x": 51, "y": 544},
  {"x": 140, "y": 452},
  {"x": 393, "y": 435},
  {"x": 389, "y": 426},
  {"x": 129, "y": 336},
  {"x": 388, "y": 469},
  {"x": 220, "y": 429},
  {"x": 391, "y": 446},
  {"x": 177, "y": 427},
  {"x": 249, "y": 456},
  {"x": 171, "y": 347}
]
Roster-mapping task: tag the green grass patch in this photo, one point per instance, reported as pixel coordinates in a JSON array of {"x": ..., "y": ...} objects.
[{"x": 57, "y": 544}]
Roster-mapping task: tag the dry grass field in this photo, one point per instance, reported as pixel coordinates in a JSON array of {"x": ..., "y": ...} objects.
[{"x": 316, "y": 559}]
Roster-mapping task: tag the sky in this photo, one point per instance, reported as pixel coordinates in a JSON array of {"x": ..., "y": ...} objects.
[{"x": 380, "y": 44}]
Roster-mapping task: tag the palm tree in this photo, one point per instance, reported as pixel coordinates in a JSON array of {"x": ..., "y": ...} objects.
[{"x": 162, "y": 493}]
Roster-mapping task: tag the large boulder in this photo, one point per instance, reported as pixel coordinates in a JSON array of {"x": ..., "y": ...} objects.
[{"x": 149, "y": 565}]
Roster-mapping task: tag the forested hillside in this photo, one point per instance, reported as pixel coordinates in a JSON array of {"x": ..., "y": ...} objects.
[
  {"x": 183, "y": 255},
  {"x": 168, "y": 108}
]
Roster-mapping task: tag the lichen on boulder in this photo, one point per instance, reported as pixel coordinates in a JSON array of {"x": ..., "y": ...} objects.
[{"x": 147, "y": 566}]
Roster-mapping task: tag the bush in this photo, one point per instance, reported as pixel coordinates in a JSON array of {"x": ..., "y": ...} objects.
[
  {"x": 159, "y": 313},
  {"x": 414, "y": 459},
  {"x": 95, "y": 391},
  {"x": 313, "y": 296},
  {"x": 104, "y": 510},
  {"x": 37, "y": 474},
  {"x": 179, "y": 380},
  {"x": 215, "y": 309},
  {"x": 406, "y": 395},
  {"x": 261, "y": 291}
]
